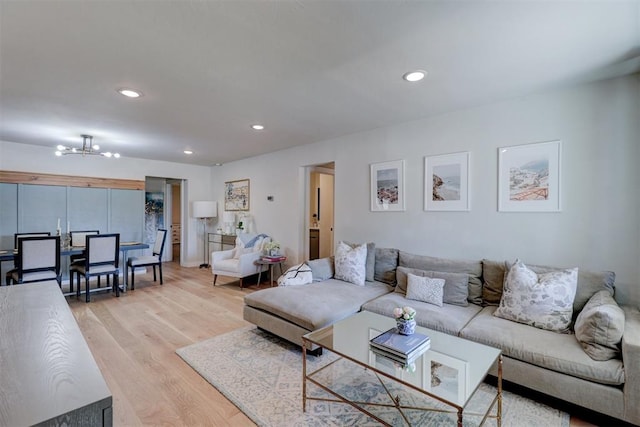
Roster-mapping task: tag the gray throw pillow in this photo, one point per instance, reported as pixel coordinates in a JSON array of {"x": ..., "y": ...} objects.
[
  {"x": 427, "y": 263},
  {"x": 455, "y": 286},
  {"x": 599, "y": 327},
  {"x": 371, "y": 260},
  {"x": 493, "y": 273},
  {"x": 321, "y": 269},
  {"x": 386, "y": 263}
]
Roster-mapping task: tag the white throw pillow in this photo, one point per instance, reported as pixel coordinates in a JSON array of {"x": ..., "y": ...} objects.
[
  {"x": 542, "y": 300},
  {"x": 425, "y": 289},
  {"x": 297, "y": 275},
  {"x": 350, "y": 263}
]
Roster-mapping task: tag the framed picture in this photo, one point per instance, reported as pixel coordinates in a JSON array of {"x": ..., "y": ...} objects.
[
  {"x": 446, "y": 182},
  {"x": 387, "y": 186},
  {"x": 236, "y": 195},
  {"x": 529, "y": 177},
  {"x": 446, "y": 377}
]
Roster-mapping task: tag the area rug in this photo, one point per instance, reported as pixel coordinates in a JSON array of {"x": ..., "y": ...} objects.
[{"x": 262, "y": 375}]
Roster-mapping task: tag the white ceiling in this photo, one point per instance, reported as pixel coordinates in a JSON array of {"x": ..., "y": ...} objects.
[{"x": 307, "y": 70}]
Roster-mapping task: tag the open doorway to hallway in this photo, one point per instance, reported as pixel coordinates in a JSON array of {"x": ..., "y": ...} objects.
[
  {"x": 164, "y": 209},
  {"x": 320, "y": 212}
]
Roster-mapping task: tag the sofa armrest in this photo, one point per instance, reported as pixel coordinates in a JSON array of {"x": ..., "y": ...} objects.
[
  {"x": 631, "y": 360},
  {"x": 247, "y": 263},
  {"x": 221, "y": 255}
]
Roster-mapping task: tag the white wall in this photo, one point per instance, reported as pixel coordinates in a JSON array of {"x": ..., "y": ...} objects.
[
  {"x": 598, "y": 228},
  {"x": 32, "y": 158}
]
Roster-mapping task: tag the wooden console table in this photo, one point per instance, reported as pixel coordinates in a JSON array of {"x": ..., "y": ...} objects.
[{"x": 48, "y": 374}]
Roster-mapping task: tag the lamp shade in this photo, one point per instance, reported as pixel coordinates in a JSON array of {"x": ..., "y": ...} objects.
[{"x": 204, "y": 209}]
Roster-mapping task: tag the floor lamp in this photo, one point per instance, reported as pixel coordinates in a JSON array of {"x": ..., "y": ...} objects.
[{"x": 203, "y": 210}]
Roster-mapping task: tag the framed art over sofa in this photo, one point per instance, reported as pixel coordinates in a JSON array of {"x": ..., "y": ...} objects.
[
  {"x": 387, "y": 186},
  {"x": 529, "y": 177}
]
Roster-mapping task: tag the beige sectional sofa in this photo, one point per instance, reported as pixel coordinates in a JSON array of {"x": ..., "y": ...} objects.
[{"x": 549, "y": 362}]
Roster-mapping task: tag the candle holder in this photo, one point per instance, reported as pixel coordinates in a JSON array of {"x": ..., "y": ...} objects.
[{"x": 65, "y": 240}]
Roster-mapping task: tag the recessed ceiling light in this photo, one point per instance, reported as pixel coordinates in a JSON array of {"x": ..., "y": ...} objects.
[
  {"x": 414, "y": 76},
  {"x": 130, "y": 93},
  {"x": 257, "y": 127},
  {"x": 217, "y": 164},
  {"x": 188, "y": 152}
]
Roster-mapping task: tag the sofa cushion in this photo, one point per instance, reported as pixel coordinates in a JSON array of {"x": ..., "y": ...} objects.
[
  {"x": 589, "y": 282},
  {"x": 550, "y": 350},
  {"x": 448, "y": 318},
  {"x": 599, "y": 327},
  {"x": 315, "y": 305},
  {"x": 386, "y": 262},
  {"x": 321, "y": 269},
  {"x": 350, "y": 263},
  {"x": 370, "y": 262},
  {"x": 455, "y": 286},
  {"x": 427, "y": 263},
  {"x": 425, "y": 289},
  {"x": 542, "y": 300},
  {"x": 297, "y": 275}
]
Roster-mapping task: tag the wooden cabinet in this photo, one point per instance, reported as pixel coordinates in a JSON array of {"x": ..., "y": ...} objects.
[{"x": 176, "y": 230}]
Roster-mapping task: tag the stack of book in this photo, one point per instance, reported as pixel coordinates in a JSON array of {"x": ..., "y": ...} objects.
[
  {"x": 275, "y": 258},
  {"x": 404, "y": 349}
]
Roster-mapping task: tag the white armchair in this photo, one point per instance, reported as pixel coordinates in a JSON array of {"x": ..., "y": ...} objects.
[{"x": 240, "y": 261}]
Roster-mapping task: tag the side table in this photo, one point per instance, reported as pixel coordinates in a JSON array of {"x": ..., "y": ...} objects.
[{"x": 270, "y": 263}]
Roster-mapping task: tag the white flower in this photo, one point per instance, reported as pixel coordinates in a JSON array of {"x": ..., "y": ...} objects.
[{"x": 406, "y": 313}]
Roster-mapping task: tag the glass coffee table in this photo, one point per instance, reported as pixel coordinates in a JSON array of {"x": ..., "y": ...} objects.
[{"x": 449, "y": 373}]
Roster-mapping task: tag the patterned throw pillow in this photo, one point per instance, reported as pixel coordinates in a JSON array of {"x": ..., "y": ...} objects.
[
  {"x": 297, "y": 275},
  {"x": 425, "y": 289},
  {"x": 542, "y": 300},
  {"x": 350, "y": 263}
]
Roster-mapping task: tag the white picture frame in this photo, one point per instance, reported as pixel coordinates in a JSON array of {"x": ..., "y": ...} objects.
[
  {"x": 529, "y": 177},
  {"x": 387, "y": 186},
  {"x": 446, "y": 377},
  {"x": 446, "y": 182}
]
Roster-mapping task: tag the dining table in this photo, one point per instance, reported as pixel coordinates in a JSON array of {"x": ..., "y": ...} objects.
[{"x": 125, "y": 247}]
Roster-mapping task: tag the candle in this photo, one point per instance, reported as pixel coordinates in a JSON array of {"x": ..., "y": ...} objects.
[
  {"x": 68, "y": 226},
  {"x": 58, "y": 227}
]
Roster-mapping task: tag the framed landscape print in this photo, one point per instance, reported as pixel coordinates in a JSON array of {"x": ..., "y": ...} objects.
[
  {"x": 236, "y": 195},
  {"x": 446, "y": 182},
  {"x": 446, "y": 376},
  {"x": 529, "y": 177},
  {"x": 387, "y": 186}
]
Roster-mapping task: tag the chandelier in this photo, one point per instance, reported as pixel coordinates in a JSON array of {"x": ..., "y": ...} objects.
[{"x": 88, "y": 149}]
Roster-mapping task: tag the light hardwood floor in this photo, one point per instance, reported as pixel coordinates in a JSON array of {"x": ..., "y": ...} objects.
[{"x": 133, "y": 339}]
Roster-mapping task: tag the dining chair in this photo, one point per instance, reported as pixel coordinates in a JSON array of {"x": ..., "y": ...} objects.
[
  {"x": 16, "y": 237},
  {"x": 78, "y": 240},
  {"x": 150, "y": 260},
  {"x": 38, "y": 260},
  {"x": 101, "y": 258}
]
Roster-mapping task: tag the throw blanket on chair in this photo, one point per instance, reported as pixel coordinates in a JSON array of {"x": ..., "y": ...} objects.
[{"x": 253, "y": 240}]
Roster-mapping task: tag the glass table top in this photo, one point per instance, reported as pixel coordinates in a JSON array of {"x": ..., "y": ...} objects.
[{"x": 451, "y": 369}]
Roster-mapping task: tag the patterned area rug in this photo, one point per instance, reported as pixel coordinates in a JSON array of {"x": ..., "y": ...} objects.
[{"x": 262, "y": 375}]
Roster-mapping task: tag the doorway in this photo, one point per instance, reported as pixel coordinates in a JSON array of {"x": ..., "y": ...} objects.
[
  {"x": 320, "y": 217},
  {"x": 163, "y": 209}
]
